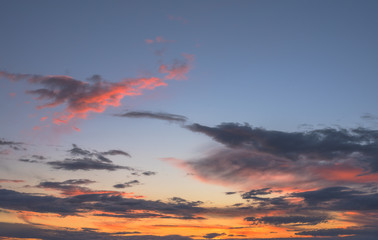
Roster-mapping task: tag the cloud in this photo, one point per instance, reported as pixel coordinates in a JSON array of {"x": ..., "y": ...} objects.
[
  {"x": 154, "y": 115},
  {"x": 213, "y": 235},
  {"x": 19, "y": 230},
  {"x": 340, "y": 199},
  {"x": 95, "y": 95},
  {"x": 69, "y": 187},
  {"x": 255, "y": 157},
  {"x": 83, "y": 159},
  {"x": 86, "y": 164},
  {"x": 278, "y": 220},
  {"x": 256, "y": 192},
  {"x": 334, "y": 232},
  {"x": 13, "y": 145},
  {"x": 127, "y": 184},
  {"x": 111, "y": 204},
  {"x": 116, "y": 152},
  {"x": 178, "y": 69},
  {"x": 159, "y": 39},
  {"x": 178, "y": 19},
  {"x": 11, "y": 181}
]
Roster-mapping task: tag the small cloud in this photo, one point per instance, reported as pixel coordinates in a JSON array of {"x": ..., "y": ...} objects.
[
  {"x": 154, "y": 115},
  {"x": 213, "y": 235},
  {"x": 127, "y": 184},
  {"x": 178, "y": 19},
  {"x": 11, "y": 181}
]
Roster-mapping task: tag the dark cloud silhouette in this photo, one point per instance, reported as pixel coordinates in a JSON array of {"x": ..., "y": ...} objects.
[
  {"x": 127, "y": 184},
  {"x": 86, "y": 164},
  {"x": 213, "y": 235},
  {"x": 83, "y": 159},
  {"x": 19, "y": 230},
  {"x": 256, "y": 192},
  {"x": 68, "y": 187},
  {"x": 311, "y": 159},
  {"x": 340, "y": 198},
  {"x": 334, "y": 232},
  {"x": 278, "y": 220},
  {"x": 112, "y": 204},
  {"x": 230, "y": 193},
  {"x": 326, "y": 143},
  {"x": 154, "y": 115},
  {"x": 116, "y": 152}
]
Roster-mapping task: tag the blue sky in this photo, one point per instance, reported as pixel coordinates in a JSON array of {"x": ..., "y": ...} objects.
[{"x": 292, "y": 69}]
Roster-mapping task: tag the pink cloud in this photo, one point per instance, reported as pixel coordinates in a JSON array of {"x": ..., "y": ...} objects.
[
  {"x": 158, "y": 39},
  {"x": 178, "y": 69},
  {"x": 178, "y": 19},
  {"x": 81, "y": 98}
]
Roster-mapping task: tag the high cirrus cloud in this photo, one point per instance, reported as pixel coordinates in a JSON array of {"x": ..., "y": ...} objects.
[{"x": 95, "y": 95}]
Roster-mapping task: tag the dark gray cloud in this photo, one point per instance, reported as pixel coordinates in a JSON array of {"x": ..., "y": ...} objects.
[
  {"x": 256, "y": 192},
  {"x": 83, "y": 159},
  {"x": 326, "y": 144},
  {"x": 19, "y": 230},
  {"x": 334, "y": 232},
  {"x": 213, "y": 235},
  {"x": 256, "y": 157},
  {"x": 127, "y": 184},
  {"x": 13, "y": 145},
  {"x": 278, "y": 220},
  {"x": 154, "y": 115},
  {"x": 340, "y": 198},
  {"x": 116, "y": 152},
  {"x": 230, "y": 193},
  {"x": 112, "y": 204},
  {"x": 86, "y": 164},
  {"x": 68, "y": 187}
]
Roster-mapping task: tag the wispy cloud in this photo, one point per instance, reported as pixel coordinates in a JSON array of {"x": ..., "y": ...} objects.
[
  {"x": 154, "y": 115},
  {"x": 158, "y": 39},
  {"x": 96, "y": 94},
  {"x": 178, "y": 69}
]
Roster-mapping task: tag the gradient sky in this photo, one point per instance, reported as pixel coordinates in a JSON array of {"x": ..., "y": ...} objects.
[{"x": 183, "y": 120}]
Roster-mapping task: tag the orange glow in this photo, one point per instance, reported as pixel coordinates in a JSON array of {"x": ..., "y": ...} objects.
[{"x": 347, "y": 173}]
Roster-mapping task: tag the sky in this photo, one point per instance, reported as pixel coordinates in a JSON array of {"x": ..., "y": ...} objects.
[{"x": 186, "y": 120}]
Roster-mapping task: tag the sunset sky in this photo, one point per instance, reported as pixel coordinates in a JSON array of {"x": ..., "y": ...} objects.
[{"x": 185, "y": 120}]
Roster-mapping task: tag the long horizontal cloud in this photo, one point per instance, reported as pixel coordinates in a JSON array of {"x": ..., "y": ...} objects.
[
  {"x": 19, "y": 230},
  {"x": 278, "y": 220},
  {"x": 113, "y": 204},
  {"x": 154, "y": 115},
  {"x": 96, "y": 94}
]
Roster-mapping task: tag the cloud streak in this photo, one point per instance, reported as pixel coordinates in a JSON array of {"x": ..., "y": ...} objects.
[{"x": 154, "y": 115}]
